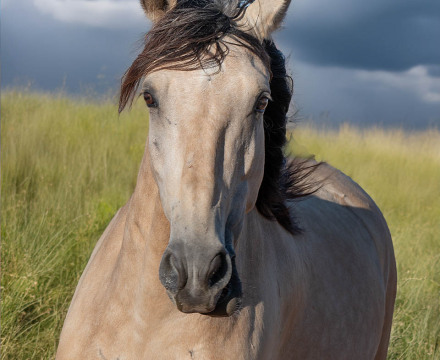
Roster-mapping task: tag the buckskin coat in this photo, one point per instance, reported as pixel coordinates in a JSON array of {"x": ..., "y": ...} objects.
[{"x": 190, "y": 268}]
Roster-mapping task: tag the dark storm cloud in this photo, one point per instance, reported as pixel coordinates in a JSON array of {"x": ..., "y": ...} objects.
[
  {"x": 334, "y": 95},
  {"x": 387, "y": 35},
  {"x": 52, "y": 54}
]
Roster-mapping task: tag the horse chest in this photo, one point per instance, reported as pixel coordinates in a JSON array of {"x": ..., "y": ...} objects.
[
  {"x": 177, "y": 338},
  {"x": 201, "y": 337}
]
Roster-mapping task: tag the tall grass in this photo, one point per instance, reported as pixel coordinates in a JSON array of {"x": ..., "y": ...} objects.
[{"x": 68, "y": 165}]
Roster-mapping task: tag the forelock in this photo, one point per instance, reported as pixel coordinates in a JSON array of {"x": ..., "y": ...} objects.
[{"x": 195, "y": 34}]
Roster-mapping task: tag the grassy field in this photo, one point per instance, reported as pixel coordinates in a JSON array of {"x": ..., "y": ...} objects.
[{"x": 68, "y": 165}]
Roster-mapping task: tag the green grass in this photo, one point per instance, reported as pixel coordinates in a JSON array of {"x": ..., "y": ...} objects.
[{"x": 68, "y": 165}]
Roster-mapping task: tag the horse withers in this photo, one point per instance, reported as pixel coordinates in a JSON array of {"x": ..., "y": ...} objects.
[{"x": 214, "y": 256}]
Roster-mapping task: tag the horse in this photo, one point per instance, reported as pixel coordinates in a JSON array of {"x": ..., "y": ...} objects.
[{"x": 228, "y": 249}]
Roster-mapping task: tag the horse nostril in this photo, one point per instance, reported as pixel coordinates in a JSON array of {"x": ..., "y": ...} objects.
[
  {"x": 171, "y": 273},
  {"x": 217, "y": 269}
]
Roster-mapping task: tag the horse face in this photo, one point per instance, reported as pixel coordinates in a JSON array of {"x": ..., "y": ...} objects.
[{"x": 206, "y": 145}]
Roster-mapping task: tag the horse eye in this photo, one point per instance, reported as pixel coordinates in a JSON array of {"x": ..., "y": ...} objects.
[
  {"x": 149, "y": 100},
  {"x": 262, "y": 104}
]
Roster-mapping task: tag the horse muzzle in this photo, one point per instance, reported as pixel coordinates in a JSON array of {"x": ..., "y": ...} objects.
[{"x": 201, "y": 279}]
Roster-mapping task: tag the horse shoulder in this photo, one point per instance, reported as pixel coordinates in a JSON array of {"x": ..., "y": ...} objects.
[
  {"x": 348, "y": 197},
  {"x": 351, "y": 273}
]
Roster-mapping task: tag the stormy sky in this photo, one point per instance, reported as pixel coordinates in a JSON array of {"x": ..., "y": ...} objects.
[{"x": 370, "y": 63}]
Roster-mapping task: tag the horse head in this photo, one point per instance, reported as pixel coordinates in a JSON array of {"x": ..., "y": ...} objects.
[{"x": 217, "y": 95}]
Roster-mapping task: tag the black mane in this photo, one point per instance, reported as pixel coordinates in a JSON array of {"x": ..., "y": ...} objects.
[
  {"x": 283, "y": 180},
  {"x": 195, "y": 34}
]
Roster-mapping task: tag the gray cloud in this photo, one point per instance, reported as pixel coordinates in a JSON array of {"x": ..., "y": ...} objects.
[
  {"x": 50, "y": 53},
  {"x": 334, "y": 95},
  {"x": 434, "y": 70},
  {"x": 386, "y": 35},
  {"x": 109, "y": 14}
]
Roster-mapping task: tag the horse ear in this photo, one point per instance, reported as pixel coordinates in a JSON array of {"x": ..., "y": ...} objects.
[
  {"x": 155, "y": 9},
  {"x": 265, "y": 16}
]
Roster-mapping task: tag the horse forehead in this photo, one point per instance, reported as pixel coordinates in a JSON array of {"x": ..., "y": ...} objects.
[{"x": 239, "y": 70}]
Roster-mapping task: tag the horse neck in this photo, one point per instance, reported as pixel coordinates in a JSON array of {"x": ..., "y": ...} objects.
[
  {"x": 147, "y": 230},
  {"x": 146, "y": 237}
]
